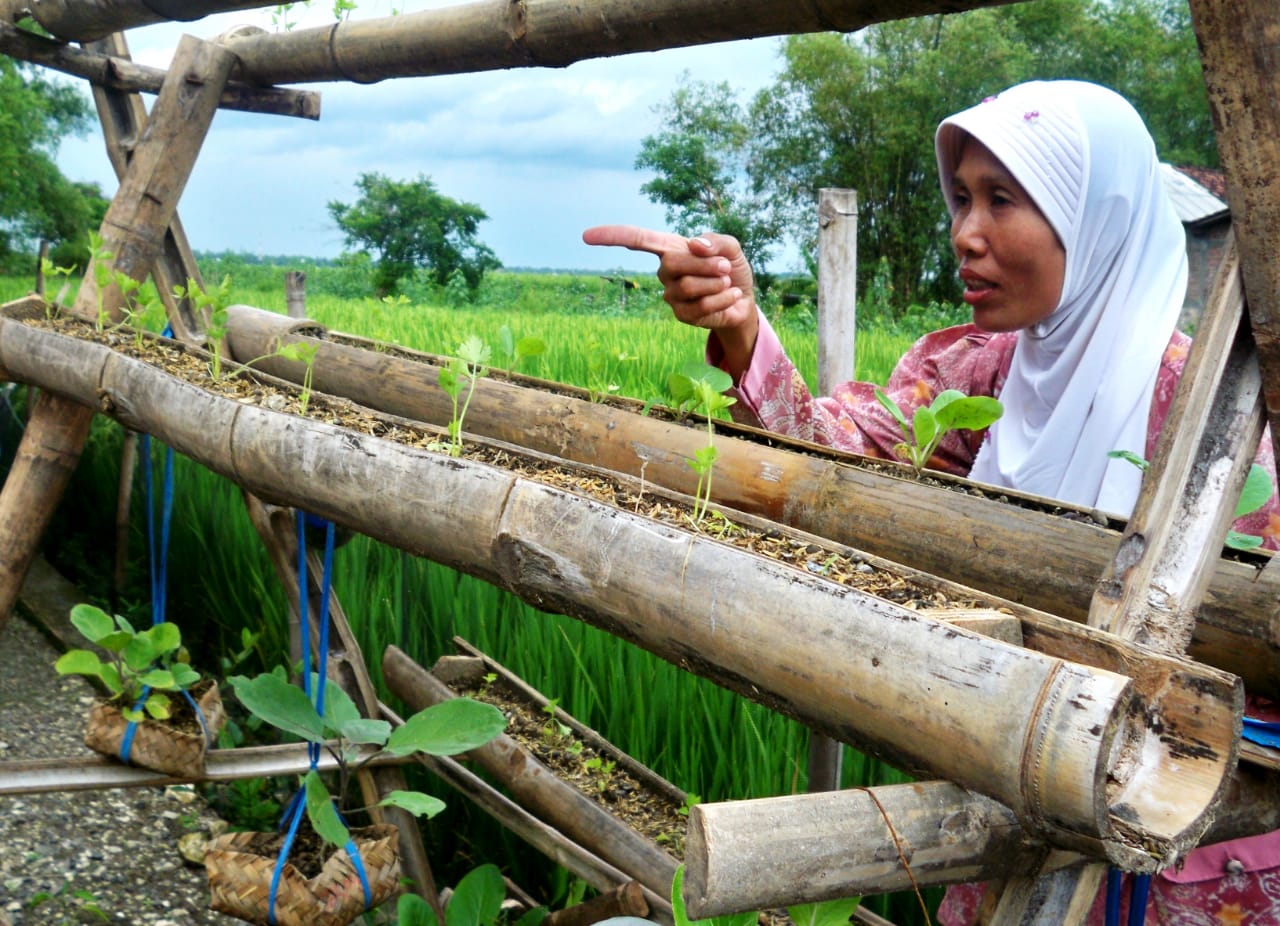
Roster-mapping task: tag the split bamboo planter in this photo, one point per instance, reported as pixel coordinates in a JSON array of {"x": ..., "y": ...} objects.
[
  {"x": 875, "y": 506},
  {"x": 1122, "y": 758}
]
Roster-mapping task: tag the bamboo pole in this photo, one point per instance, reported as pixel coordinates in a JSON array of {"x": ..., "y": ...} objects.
[
  {"x": 848, "y": 843},
  {"x": 88, "y": 20},
  {"x": 857, "y": 667},
  {"x": 982, "y": 543},
  {"x": 132, "y": 230},
  {"x": 122, "y": 74},
  {"x": 499, "y": 34},
  {"x": 1240, "y": 57}
]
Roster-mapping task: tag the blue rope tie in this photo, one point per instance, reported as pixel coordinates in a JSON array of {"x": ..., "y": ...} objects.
[
  {"x": 158, "y": 562},
  {"x": 297, "y": 805},
  {"x": 1139, "y": 889}
]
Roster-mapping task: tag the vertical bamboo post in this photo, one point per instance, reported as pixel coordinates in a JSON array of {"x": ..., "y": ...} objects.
[
  {"x": 295, "y": 293},
  {"x": 133, "y": 231},
  {"x": 837, "y": 286},
  {"x": 837, "y": 318}
]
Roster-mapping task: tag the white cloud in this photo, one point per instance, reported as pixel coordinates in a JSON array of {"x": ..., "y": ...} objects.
[{"x": 545, "y": 152}]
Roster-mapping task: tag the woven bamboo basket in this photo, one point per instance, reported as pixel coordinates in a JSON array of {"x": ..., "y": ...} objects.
[
  {"x": 240, "y": 868},
  {"x": 156, "y": 744}
]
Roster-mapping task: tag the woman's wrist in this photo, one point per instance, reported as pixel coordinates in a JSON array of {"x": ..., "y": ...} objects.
[{"x": 737, "y": 344}]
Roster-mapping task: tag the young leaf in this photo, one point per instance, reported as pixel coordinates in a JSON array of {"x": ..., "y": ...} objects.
[
  {"x": 79, "y": 662},
  {"x": 412, "y": 910},
  {"x": 447, "y": 728},
  {"x": 826, "y": 913},
  {"x": 966, "y": 412},
  {"x": 477, "y": 898},
  {"x": 1238, "y": 541},
  {"x": 892, "y": 406},
  {"x": 157, "y": 705},
  {"x": 474, "y": 351},
  {"x": 415, "y": 802},
  {"x": 93, "y": 622},
  {"x": 1130, "y": 457},
  {"x": 280, "y": 704},
  {"x": 365, "y": 730},
  {"x": 1256, "y": 493},
  {"x": 320, "y": 810},
  {"x": 924, "y": 427}
]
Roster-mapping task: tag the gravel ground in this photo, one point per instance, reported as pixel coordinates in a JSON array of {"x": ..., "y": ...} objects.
[{"x": 113, "y": 850}]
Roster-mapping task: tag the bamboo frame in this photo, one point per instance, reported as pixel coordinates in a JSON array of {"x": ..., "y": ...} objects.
[{"x": 1048, "y": 759}]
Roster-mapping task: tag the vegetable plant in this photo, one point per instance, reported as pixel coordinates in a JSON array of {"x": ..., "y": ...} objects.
[
  {"x": 142, "y": 666},
  {"x": 304, "y": 354},
  {"x": 214, "y": 304},
  {"x": 1256, "y": 492},
  {"x": 444, "y": 729},
  {"x": 950, "y": 410},
  {"x": 513, "y": 350},
  {"x": 476, "y": 900},
  {"x": 699, "y": 387},
  {"x": 468, "y": 364}
]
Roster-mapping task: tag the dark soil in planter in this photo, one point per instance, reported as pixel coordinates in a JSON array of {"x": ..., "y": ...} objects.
[
  {"x": 593, "y": 772},
  {"x": 837, "y": 563}
]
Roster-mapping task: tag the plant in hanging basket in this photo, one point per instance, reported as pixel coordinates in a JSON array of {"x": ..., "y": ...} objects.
[
  {"x": 357, "y": 868},
  {"x": 147, "y": 718}
]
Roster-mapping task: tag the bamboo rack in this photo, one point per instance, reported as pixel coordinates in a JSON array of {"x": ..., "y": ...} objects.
[{"x": 855, "y": 666}]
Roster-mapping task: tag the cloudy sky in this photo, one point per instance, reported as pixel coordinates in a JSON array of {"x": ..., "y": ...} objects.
[{"x": 545, "y": 152}]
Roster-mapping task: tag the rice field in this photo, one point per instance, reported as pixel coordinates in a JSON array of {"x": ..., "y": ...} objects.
[{"x": 702, "y": 738}]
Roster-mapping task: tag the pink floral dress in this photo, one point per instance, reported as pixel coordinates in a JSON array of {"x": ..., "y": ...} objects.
[{"x": 1234, "y": 883}]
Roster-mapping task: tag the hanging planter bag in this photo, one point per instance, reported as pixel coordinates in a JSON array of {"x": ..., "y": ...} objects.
[
  {"x": 242, "y": 866},
  {"x": 176, "y": 746}
]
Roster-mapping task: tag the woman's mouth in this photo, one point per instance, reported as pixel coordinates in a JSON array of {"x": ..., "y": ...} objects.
[{"x": 976, "y": 288}]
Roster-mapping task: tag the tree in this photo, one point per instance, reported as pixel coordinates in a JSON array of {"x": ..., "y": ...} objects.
[
  {"x": 701, "y": 173},
  {"x": 36, "y": 200},
  {"x": 410, "y": 225}
]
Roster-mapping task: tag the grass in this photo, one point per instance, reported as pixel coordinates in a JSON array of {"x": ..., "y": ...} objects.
[{"x": 704, "y": 739}]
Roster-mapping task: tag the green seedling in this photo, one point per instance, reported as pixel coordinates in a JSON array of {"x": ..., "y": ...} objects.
[
  {"x": 142, "y": 667},
  {"x": 213, "y": 305},
  {"x": 699, "y": 388},
  {"x": 690, "y": 801},
  {"x": 513, "y": 350},
  {"x": 602, "y": 368},
  {"x": 950, "y": 410},
  {"x": 476, "y": 900},
  {"x": 470, "y": 364},
  {"x": 306, "y": 354},
  {"x": 1257, "y": 492},
  {"x": 444, "y": 729},
  {"x": 554, "y": 729}
]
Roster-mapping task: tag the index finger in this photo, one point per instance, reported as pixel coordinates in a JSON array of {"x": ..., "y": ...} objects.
[{"x": 634, "y": 238}]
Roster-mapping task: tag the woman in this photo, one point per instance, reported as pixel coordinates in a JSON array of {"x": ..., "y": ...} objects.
[{"x": 1074, "y": 264}]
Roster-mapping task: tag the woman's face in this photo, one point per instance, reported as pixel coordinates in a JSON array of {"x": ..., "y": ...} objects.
[{"x": 1011, "y": 262}]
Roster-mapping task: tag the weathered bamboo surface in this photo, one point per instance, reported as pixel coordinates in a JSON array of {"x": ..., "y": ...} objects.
[
  {"x": 538, "y": 789},
  {"x": 122, "y": 74},
  {"x": 982, "y": 542},
  {"x": 1032, "y": 731},
  {"x": 486, "y": 35},
  {"x": 847, "y": 843}
]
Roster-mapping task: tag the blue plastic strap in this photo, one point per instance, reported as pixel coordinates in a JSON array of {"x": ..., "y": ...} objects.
[
  {"x": 293, "y": 813},
  {"x": 1113, "y": 897},
  {"x": 353, "y": 851},
  {"x": 126, "y": 743},
  {"x": 1138, "y": 891},
  {"x": 1263, "y": 732}
]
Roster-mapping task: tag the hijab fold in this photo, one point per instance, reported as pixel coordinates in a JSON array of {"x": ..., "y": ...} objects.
[{"x": 1081, "y": 380}]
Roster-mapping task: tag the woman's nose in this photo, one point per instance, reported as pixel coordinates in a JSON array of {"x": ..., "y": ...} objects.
[{"x": 968, "y": 233}]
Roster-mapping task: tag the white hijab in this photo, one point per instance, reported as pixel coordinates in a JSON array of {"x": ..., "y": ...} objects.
[{"x": 1081, "y": 380}]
